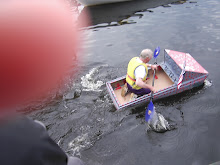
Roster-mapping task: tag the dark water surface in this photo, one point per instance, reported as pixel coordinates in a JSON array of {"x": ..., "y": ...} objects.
[{"x": 84, "y": 122}]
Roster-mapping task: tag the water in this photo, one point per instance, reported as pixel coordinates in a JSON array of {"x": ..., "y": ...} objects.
[{"x": 85, "y": 123}]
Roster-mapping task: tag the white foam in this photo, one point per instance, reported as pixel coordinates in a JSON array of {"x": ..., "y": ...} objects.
[
  {"x": 89, "y": 83},
  {"x": 78, "y": 143},
  {"x": 158, "y": 123},
  {"x": 207, "y": 83},
  {"x": 163, "y": 121}
]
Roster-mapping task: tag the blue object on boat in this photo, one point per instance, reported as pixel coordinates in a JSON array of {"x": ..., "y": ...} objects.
[
  {"x": 149, "y": 112},
  {"x": 156, "y": 52}
]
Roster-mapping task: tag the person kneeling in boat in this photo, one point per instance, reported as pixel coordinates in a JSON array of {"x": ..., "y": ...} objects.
[{"x": 137, "y": 74}]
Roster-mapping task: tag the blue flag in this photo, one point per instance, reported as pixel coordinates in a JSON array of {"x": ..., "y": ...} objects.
[{"x": 150, "y": 111}]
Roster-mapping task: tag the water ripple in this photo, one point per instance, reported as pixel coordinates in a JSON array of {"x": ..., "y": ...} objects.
[{"x": 177, "y": 140}]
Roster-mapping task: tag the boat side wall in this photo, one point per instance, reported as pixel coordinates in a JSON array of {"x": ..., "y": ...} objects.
[
  {"x": 187, "y": 85},
  {"x": 111, "y": 93},
  {"x": 139, "y": 100},
  {"x": 171, "y": 68},
  {"x": 172, "y": 90}
]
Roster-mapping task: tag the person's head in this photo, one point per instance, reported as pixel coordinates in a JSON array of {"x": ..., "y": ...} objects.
[{"x": 146, "y": 55}]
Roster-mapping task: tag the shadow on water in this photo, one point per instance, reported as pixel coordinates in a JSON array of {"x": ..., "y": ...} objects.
[{"x": 115, "y": 14}]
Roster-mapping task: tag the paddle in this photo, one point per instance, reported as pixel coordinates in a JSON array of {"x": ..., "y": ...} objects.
[{"x": 150, "y": 109}]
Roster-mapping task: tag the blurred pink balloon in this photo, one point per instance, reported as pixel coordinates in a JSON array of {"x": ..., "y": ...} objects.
[{"x": 39, "y": 40}]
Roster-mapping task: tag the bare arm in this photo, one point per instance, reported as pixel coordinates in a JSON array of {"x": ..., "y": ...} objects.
[
  {"x": 139, "y": 82},
  {"x": 153, "y": 67}
]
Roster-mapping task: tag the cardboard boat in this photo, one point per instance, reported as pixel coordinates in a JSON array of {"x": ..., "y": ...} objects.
[{"x": 166, "y": 79}]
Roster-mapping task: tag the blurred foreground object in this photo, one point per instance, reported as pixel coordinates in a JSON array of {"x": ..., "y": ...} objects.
[
  {"x": 26, "y": 142},
  {"x": 38, "y": 45}
]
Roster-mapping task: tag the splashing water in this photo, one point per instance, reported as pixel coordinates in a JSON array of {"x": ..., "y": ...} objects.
[
  {"x": 158, "y": 123},
  {"x": 207, "y": 83},
  {"x": 77, "y": 144},
  {"x": 89, "y": 83}
]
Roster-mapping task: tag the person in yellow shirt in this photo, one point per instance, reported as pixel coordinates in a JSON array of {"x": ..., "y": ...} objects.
[{"x": 137, "y": 73}]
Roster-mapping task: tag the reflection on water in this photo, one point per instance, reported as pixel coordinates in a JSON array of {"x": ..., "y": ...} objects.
[
  {"x": 85, "y": 123},
  {"x": 119, "y": 13}
]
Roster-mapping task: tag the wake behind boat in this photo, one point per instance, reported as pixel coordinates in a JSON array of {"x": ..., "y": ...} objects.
[{"x": 166, "y": 79}]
